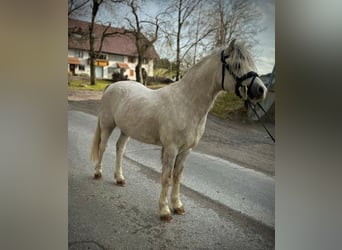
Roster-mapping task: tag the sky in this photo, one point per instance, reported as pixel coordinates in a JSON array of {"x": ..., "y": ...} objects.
[{"x": 264, "y": 52}]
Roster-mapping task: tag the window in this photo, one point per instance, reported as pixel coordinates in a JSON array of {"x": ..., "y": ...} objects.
[
  {"x": 79, "y": 53},
  {"x": 101, "y": 56},
  {"x": 131, "y": 72},
  {"x": 131, "y": 59},
  {"x": 81, "y": 67},
  {"x": 117, "y": 58}
]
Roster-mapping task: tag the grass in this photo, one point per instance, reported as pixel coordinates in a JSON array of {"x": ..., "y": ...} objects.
[
  {"x": 226, "y": 104},
  {"x": 85, "y": 85}
]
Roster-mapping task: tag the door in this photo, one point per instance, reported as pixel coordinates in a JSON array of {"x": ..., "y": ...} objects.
[
  {"x": 72, "y": 68},
  {"x": 99, "y": 72}
]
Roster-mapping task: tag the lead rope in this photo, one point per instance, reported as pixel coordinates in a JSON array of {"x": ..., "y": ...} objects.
[
  {"x": 256, "y": 113},
  {"x": 261, "y": 107}
]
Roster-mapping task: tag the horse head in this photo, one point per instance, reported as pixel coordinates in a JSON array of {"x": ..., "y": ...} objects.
[{"x": 237, "y": 60}]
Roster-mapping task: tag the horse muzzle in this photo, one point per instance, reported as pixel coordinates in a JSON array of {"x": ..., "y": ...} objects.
[{"x": 256, "y": 90}]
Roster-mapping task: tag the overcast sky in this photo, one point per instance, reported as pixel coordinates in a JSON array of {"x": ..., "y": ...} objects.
[{"x": 264, "y": 52}]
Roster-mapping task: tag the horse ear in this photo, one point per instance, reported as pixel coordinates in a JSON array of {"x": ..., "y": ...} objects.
[{"x": 231, "y": 46}]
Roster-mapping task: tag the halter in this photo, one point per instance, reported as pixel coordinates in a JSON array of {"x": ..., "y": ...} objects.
[{"x": 238, "y": 80}]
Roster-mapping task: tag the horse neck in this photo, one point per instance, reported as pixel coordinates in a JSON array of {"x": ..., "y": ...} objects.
[{"x": 200, "y": 85}]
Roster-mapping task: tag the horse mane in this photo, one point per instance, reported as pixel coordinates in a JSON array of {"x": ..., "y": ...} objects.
[{"x": 240, "y": 59}]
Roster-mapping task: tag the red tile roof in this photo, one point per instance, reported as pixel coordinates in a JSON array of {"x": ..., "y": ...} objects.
[
  {"x": 122, "y": 65},
  {"x": 118, "y": 44}
]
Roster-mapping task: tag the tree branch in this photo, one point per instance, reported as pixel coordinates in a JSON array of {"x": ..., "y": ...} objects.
[{"x": 74, "y": 5}]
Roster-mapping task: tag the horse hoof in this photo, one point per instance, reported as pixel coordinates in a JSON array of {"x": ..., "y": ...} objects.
[
  {"x": 179, "y": 210},
  {"x": 97, "y": 176},
  {"x": 121, "y": 183},
  {"x": 166, "y": 218}
]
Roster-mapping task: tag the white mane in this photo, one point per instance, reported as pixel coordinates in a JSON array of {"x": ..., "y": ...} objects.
[{"x": 240, "y": 59}]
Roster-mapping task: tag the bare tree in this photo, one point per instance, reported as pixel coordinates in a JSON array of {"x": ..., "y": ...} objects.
[
  {"x": 76, "y": 5},
  {"x": 95, "y": 8},
  {"x": 108, "y": 32},
  {"x": 195, "y": 40},
  {"x": 203, "y": 26},
  {"x": 197, "y": 32},
  {"x": 184, "y": 10},
  {"x": 92, "y": 53},
  {"x": 235, "y": 19},
  {"x": 142, "y": 42},
  {"x": 190, "y": 30}
]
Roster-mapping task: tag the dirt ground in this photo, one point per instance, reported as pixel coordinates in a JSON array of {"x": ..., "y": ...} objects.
[{"x": 240, "y": 141}]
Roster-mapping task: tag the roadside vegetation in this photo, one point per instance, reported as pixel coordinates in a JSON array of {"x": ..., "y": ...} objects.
[
  {"x": 227, "y": 105},
  {"x": 80, "y": 84}
]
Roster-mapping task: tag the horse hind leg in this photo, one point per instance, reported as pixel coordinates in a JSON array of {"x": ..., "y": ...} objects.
[
  {"x": 105, "y": 133},
  {"x": 120, "y": 150}
]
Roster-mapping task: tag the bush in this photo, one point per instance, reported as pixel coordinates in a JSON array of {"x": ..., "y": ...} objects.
[
  {"x": 227, "y": 104},
  {"x": 158, "y": 79}
]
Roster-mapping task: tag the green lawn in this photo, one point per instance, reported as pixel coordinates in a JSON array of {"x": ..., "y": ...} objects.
[{"x": 81, "y": 84}]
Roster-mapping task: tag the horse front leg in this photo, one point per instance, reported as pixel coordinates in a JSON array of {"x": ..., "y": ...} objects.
[
  {"x": 120, "y": 150},
  {"x": 168, "y": 161},
  {"x": 177, "y": 204}
]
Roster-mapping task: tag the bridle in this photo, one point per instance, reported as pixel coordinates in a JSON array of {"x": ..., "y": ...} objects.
[{"x": 238, "y": 80}]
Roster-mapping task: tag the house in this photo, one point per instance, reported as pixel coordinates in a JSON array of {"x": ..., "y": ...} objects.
[{"x": 118, "y": 56}]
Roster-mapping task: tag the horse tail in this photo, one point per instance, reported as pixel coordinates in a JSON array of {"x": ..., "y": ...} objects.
[{"x": 96, "y": 142}]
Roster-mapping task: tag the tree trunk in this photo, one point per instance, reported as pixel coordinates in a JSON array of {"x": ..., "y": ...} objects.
[
  {"x": 178, "y": 41},
  {"x": 137, "y": 72},
  {"x": 92, "y": 53},
  {"x": 178, "y": 58},
  {"x": 141, "y": 42},
  {"x": 138, "y": 66},
  {"x": 92, "y": 71},
  {"x": 96, "y": 5}
]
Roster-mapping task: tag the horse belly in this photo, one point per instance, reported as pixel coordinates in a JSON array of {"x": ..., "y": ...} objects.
[
  {"x": 141, "y": 133},
  {"x": 134, "y": 121}
]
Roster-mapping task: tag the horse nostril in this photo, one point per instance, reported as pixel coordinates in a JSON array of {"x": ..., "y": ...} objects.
[{"x": 261, "y": 90}]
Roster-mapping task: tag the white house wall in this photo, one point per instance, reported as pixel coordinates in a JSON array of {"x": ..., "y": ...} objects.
[{"x": 84, "y": 61}]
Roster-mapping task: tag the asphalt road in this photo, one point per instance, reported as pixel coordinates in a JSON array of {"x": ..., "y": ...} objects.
[{"x": 227, "y": 206}]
